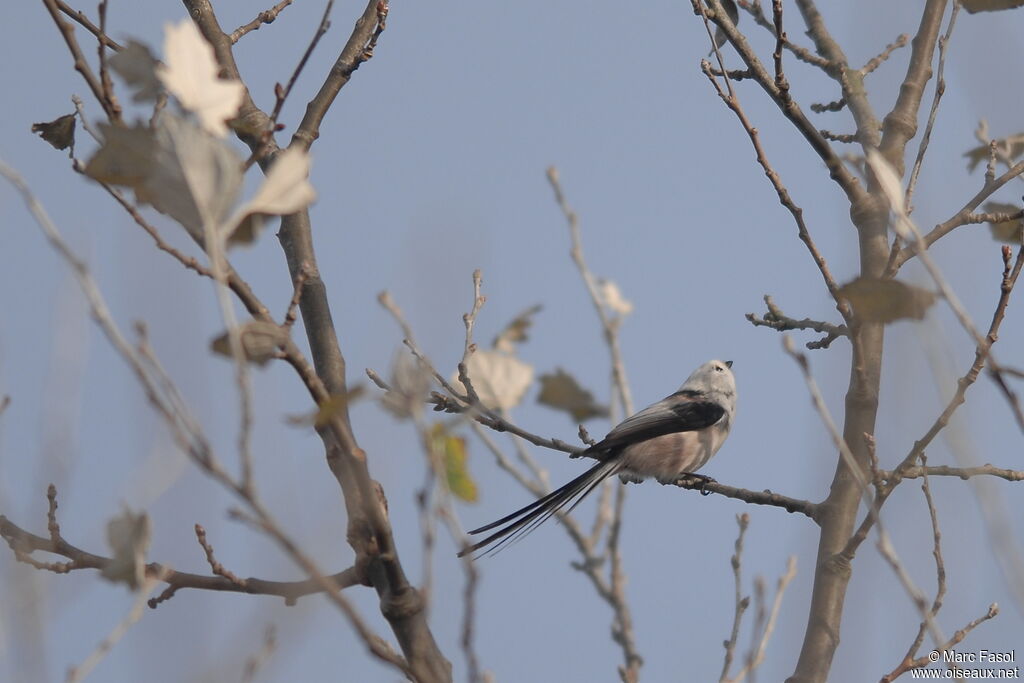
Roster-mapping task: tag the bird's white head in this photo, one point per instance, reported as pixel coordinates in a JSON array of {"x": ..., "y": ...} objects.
[{"x": 715, "y": 380}]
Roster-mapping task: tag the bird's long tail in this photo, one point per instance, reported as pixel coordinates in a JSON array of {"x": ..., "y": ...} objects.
[{"x": 525, "y": 520}]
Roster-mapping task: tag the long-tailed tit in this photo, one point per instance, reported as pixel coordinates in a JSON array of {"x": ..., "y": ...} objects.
[{"x": 675, "y": 436}]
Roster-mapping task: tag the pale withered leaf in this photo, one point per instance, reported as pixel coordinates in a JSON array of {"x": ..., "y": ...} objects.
[
  {"x": 881, "y": 300},
  {"x": 1012, "y": 231},
  {"x": 126, "y": 156},
  {"x": 178, "y": 168},
  {"x": 195, "y": 177},
  {"x": 260, "y": 341},
  {"x": 60, "y": 132},
  {"x": 128, "y": 535},
  {"x": 410, "y": 382},
  {"x": 500, "y": 380},
  {"x": 562, "y": 392},
  {"x": 137, "y": 66},
  {"x": 890, "y": 183},
  {"x": 190, "y": 73},
  {"x": 1012, "y": 147},
  {"x": 515, "y": 332},
  {"x": 285, "y": 190},
  {"x": 612, "y": 297}
]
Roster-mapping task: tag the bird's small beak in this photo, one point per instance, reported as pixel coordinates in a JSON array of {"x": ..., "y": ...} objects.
[{"x": 728, "y": 363}]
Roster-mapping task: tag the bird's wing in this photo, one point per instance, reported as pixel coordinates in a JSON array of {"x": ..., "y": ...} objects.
[{"x": 683, "y": 411}]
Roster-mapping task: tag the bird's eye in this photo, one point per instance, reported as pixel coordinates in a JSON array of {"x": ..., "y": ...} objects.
[{"x": 719, "y": 368}]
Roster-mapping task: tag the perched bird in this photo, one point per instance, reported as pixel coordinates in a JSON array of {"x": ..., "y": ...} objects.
[{"x": 675, "y": 436}]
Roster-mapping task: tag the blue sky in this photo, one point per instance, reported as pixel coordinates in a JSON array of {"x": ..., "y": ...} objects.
[{"x": 431, "y": 164}]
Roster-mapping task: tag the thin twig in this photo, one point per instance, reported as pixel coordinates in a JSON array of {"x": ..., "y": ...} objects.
[
  {"x": 80, "y": 17},
  {"x": 955, "y": 639},
  {"x": 741, "y": 602},
  {"x": 609, "y": 325},
  {"x": 958, "y": 219},
  {"x": 282, "y": 94},
  {"x": 79, "y": 672},
  {"x": 357, "y": 50},
  {"x": 884, "y": 544},
  {"x": 81, "y": 65},
  {"x": 878, "y": 60},
  {"x": 907, "y": 229},
  {"x": 783, "y": 194},
  {"x": 981, "y": 354},
  {"x": 779, "y": 321},
  {"x": 265, "y": 17},
  {"x": 940, "y": 89},
  {"x": 255, "y": 661},
  {"x": 761, "y": 644}
]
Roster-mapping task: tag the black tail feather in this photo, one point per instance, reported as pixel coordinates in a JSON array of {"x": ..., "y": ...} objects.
[{"x": 526, "y": 519}]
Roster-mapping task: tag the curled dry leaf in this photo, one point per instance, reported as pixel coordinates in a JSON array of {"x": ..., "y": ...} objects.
[
  {"x": 328, "y": 410},
  {"x": 179, "y": 169},
  {"x": 1012, "y": 147},
  {"x": 60, "y": 132},
  {"x": 1012, "y": 231},
  {"x": 561, "y": 391},
  {"x": 128, "y": 535},
  {"x": 410, "y": 383},
  {"x": 883, "y": 301},
  {"x": 515, "y": 332},
  {"x": 612, "y": 297},
  {"x": 891, "y": 185},
  {"x": 500, "y": 379},
  {"x": 285, "y": 190},
  {"x": 973, "y": 6},
  {"x": 190, "y": 73},
  {"x": 137, "y": 66},
  {"x": 451, "y": 450},
  {"x": 260, "y": 341}
]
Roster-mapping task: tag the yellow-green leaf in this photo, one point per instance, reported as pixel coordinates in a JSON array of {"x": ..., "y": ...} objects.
[
  {"x": 452, "y": 451},
  {"x": 883, "y": 301},
  {"x": 334, "y": 405}
]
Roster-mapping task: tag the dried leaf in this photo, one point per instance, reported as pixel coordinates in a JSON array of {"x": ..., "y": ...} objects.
[
  {"x": 1012, "y": 146},
  {"x": 883, "y": 301},
  {"x": 60, "y": 132},
  {"x": 335, "y": 405},
  {"x": 500, "y": 380},
  {"x": 327, "y": 410},
  {"x": 125, "y": 157},
  {"x": 889, "y": 180},
  {"x": 409, "y": 385},
  {"x": 973, "y": 6},
  {"x": 452, "y": 451},
  {"x": 612, "y": 297},
  {"x": 178, "y": 168},
  {"x": 515, "y": 332},
  {"x": 1011, "y": 232},
  {"x": 137, "y": 66},
  {"x": 285, "y": 190},
  {"x": 562, "y": 392},
  {"x": 260, "y": 341},
  {"x": 128, "y": 536},
  {"x": 190, "y": 73}
]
